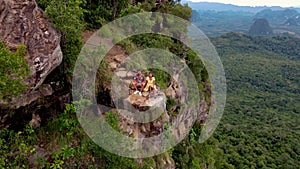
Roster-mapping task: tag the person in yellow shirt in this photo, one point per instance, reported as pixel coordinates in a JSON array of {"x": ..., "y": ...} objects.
[{"x": 150, "y": 83}]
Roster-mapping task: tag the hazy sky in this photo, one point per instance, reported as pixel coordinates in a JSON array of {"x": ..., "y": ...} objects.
[{"x": 283, "y": 3}]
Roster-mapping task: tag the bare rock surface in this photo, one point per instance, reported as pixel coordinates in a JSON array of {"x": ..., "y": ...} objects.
[
  {"x": 142, "y": 102},
  {"x": 23, "y": 22}
]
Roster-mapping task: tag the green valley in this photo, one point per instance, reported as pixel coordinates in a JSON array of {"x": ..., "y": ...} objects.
[{"x": 260, "y": 126}]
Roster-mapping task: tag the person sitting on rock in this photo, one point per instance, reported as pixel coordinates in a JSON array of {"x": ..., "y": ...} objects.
[
  {"x": 150, "y": 83},
  {"x": 138, "y": 83}
]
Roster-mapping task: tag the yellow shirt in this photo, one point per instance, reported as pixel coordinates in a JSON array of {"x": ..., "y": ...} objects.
[{"x": 149, "y": 83}]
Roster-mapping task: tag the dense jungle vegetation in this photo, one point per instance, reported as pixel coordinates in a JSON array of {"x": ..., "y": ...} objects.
[{"x": 260, "y": 126}]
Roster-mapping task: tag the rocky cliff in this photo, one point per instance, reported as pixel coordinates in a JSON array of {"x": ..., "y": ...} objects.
[
  {"x": 23, "y": 22},
  {"x": 261, "y": 27}
]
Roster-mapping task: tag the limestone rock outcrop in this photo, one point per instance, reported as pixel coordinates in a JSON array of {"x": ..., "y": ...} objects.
[
  {"x": 261, "y": 27},
  {"x": 23, "y": 22},
  {"x": 144, "y": 103}
]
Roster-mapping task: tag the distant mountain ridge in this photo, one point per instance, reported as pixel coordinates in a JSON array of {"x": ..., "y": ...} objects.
[
  {"x": 229, "y": 7},
  {"x": 217, "y": 18},
  {"x": 280, "y": 16}
]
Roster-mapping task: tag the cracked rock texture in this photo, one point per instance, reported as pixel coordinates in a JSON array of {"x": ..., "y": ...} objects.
[{"x": 23, "y": 22}]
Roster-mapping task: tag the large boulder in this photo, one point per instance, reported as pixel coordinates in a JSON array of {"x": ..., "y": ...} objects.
[{"x": 23, "y": 22}]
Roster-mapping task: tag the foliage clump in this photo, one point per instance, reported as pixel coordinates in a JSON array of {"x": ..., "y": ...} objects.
[
  {"x": 60, "y": 143},
  {"x": 13, "y": 71},
  {"x": 67, "y": 16}
]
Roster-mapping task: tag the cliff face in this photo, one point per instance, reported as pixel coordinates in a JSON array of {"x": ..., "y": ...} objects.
[{"x": 23, "y": 22}]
